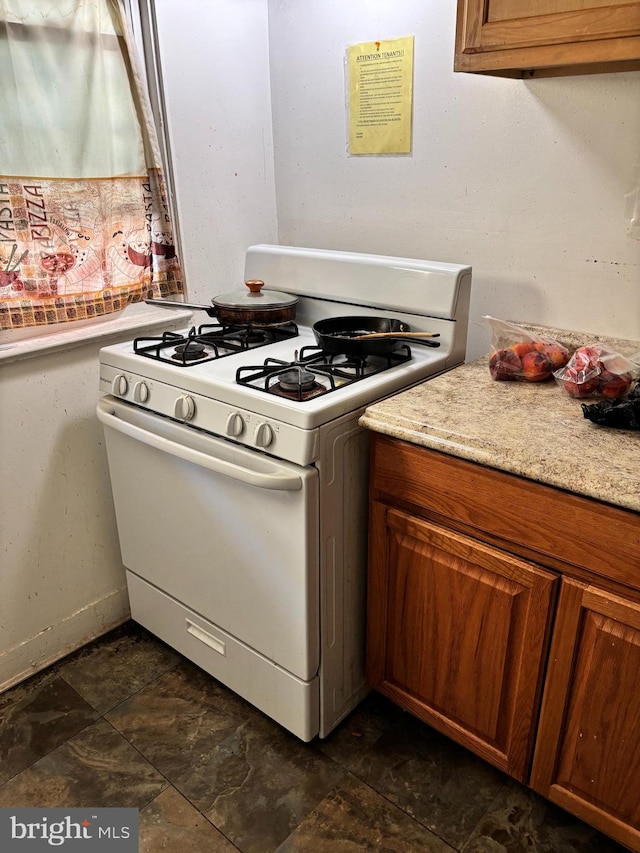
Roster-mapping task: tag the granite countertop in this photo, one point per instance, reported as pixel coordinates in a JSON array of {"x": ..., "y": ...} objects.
[{"x": 533, "y": 429}]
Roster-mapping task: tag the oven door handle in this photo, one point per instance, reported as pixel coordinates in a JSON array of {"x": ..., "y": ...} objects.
[{"x": 284, "y": 482}]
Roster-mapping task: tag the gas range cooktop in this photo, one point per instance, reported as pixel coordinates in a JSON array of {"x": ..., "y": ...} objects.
[
  {"x": 317, "y": 387},
  {"x": 308, "y": 372},
  {"x": 277, "y": 381}
]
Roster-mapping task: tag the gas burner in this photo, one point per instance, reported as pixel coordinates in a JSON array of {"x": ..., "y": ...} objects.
[
  {"x": 191, "y": 350},
  {"x": 296, "y": 384},
  {"x": 249, "y": 335},
  {"x": 292, "y": 380},
  {"x": 352, "y": 367}
]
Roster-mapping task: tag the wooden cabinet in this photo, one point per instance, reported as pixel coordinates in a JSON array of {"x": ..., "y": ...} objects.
[
  {"x": 547, "y": 37},
  {"x": 467, "y": 631},
  {"x": 588, "y": 754},
  {"x": 457, "y": 635}
]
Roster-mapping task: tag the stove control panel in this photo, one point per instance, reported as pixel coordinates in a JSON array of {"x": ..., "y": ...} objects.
[{"x": 280, "y": 439}]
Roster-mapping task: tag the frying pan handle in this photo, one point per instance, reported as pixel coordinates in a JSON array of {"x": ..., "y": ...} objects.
[
  {"x": 167, "y": 303},
  {"x": 414, "y": 338},
  {"x": 424, "y": 342},
  {"x": 369, "y": 336}
]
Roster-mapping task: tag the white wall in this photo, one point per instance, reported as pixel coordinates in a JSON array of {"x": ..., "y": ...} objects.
[
  {"x": 524, "y": 181},
  {"x": 62, "y": 577},
  {"x": 61, "y": 573},
  {"x": 214, "y": 60}
]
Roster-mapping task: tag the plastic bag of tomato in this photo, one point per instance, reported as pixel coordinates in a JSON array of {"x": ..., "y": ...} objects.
[
  {"x": 597, "y": 371},
  {"x": 518, "y": 354}
]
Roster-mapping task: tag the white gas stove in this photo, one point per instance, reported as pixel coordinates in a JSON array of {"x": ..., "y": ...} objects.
[
  {"x": 207, "y": 395},
  {"x": 254, "y": 566}
]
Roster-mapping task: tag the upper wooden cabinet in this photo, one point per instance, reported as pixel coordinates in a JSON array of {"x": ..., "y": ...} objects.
[{"x": 545, "y": 38}]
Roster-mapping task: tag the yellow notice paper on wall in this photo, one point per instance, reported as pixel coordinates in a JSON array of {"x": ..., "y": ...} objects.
[{"x": 380, "y": 96}]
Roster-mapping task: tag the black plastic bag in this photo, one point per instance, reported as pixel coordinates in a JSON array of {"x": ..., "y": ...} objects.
[{"x": 623, "y": 412}]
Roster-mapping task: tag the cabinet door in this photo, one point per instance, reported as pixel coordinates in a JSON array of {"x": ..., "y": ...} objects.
[
  {"x": 587, "y": 756},
  {"x": 548, "y": 36},
  {"x": 457, "y": 633}
]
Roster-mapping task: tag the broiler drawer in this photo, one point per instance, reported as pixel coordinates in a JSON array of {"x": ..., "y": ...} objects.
[
  {"x": 283, "y": 697},
  {"x": 547, "y": 524}
]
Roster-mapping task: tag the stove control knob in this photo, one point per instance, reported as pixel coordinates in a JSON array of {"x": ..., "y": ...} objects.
[
  {"x": 120, "y": 386},
  {"x": 184, "y": 408},
  {"x": 235, "y": 424},
  {"x": 141, "y": 392},
  {"x": 263, "y": 435}
]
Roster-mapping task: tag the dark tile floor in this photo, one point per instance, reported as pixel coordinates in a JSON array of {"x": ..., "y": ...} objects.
[{"x": 126, "y": 721}]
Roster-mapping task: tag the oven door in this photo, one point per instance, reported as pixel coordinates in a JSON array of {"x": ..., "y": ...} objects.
[{"x": 229, "y": 533}]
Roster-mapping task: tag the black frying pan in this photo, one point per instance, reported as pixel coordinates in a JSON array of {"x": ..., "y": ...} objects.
[{"x": 344, "y": 335}]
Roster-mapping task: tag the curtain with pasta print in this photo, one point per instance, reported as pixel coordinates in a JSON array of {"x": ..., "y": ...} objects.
[{"x": 84, "y": 222}]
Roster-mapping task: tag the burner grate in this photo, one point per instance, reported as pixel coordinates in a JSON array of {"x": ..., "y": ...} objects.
[
  {"x": 209, "y": 342},
  {"x": 337, "y": 371}
]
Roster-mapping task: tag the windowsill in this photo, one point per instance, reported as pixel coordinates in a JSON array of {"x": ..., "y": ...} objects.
[{"x": 135, "y": 318}]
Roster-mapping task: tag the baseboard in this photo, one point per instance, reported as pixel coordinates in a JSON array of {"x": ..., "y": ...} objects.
[{"x": 63, "y": 637}]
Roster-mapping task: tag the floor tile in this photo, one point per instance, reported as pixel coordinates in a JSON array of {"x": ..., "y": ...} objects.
[
  {"x": 95, "y": 768},
  {"x": 519, "y": 821},
  {"x": 258, "y": 784},
  {"x": 382, "y": 781},
  {"x": 170, "y": 824},
  {"x": 355, "y": 818},
  {"x": 348, "y": 742},
  {"x": 442, "y": 785},
  {"x": 36, "y": 716},
  {"x": 116, "y": 666},
  {"x": 182, "y": 715}
]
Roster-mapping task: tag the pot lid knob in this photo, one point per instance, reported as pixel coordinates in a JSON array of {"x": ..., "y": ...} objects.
[{"x": 255, "y": 285}]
